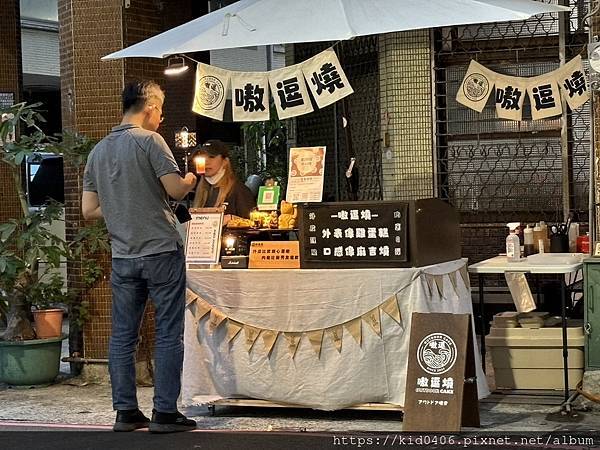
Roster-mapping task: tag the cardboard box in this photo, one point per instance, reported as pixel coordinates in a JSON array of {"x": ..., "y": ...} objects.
[{"x": 531, "y": 358}]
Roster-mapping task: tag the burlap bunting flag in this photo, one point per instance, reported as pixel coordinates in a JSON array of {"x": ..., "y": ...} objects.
[
  {"x": 233, "y": 328},
  {"x": 269, "y": 338},
  {"x": 190, "y": 297},
  {"x": 439, "y": 282},
  {"x": 432, "y": 282},
  {"x": 454, "y": 280},
  {"x": 432, "y": 285},
  {"x": 354, "y": 327},
  {"x": 390, "y": 307},
  {"x": 201, "y": 308},
  {"x": 216, "y": 319},
  {"x": 251, "y": 334},
  {"x": 424, "y": 278},
  {"x": 316, "y": 341},
  {"x": 293, "y": 340},
  {"x": 464, "y": 274},
  {"x": 374, "y": 321},
  {"x": 336, "y": 334}
]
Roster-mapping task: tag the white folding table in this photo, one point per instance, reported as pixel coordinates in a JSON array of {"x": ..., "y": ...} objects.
[{"x": 500, "y": 265}]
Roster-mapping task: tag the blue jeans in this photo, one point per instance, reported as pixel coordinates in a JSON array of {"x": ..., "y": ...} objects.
[{"x": 162, "y": 278}]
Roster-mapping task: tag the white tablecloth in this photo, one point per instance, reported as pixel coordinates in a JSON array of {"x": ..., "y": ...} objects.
[{"x": 303, "y": 300}]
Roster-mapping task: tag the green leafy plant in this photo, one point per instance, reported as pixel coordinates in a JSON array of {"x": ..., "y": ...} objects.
[
  {"x": 30, "y": 254},
  {"x": 268, "y": 138}
]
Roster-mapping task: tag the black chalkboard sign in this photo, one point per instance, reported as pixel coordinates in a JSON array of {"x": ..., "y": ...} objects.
[{"x": 354, "y": 234}]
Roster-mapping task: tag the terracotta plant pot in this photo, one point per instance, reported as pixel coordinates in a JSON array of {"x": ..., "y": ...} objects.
[{"x": 48, "y": 322}]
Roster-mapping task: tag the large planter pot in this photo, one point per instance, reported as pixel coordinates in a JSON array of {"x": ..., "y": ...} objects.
[
  {"x": 24, "y": 363},
  {"x": 48, "y": 322}
]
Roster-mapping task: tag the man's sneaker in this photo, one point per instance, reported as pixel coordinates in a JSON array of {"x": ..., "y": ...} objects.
[
  {"x": 170, "y": 422},
  {"x": 129, "y": 420}
]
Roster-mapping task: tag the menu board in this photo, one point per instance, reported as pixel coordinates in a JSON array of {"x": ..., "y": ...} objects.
[
  {"x": 353, "y": 234},
  {"x": 7, "y": 99},
  {"x": 203, "y": 243}
]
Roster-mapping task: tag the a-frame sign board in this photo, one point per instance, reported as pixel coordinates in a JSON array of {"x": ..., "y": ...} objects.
[{"x": 441, "y": 383}]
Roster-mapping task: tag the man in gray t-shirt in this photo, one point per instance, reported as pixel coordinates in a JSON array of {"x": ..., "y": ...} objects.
[{"x": 128, "y": 179}]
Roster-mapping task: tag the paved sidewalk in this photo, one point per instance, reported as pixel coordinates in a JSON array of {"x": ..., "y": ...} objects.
[{"x": 75, "y": 402}]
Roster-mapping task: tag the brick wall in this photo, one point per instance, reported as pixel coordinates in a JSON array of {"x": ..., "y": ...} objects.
[
  {"x": 11, "y": 80},
  {"x": 90, "y": 105},
  {"x": 91, "y": 91}
]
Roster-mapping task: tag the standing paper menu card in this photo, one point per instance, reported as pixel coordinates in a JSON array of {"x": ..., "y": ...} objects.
[
  {"x": 203, "y": 243},
  {"x": 305, "y": 178}
]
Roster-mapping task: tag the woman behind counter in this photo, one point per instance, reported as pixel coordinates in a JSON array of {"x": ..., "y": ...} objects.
[{"x": 220, "y": 185}]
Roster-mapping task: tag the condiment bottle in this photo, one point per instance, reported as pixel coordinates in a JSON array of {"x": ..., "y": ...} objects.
[
  {"x": 544, "y": 228},
  {"x": 529, "y": 248},
  {"x": 573, "y": 233},
  {"x": 537, "y": 236}
]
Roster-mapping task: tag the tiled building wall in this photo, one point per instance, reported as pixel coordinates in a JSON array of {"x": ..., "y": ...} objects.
[
  {"x": 10, "y": 82},
  {"x": 90, "y": 105},
  {"x": 406, "y": 115},
  {"x": 91, "y": 91}
]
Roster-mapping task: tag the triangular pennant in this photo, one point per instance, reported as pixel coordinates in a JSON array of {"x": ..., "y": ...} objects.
[
  {"x": 464, "y": 274},
  {"x": 269, "y": 337},
  {"x": 216, "y": 319},
  {"x": 432, "y": 284},
  {"x": 423, "y": 275},
  {"x": 233, "y": 328},
  {"x": 202, "y": 308},
  {"x": 454, "y": 281},
  {"x": 293, "y": 340},
  {"x": 391, "y": 309},
  {"x": 251, "y": 334},
  {"x": 190, "y": 297},
  {"x": 372, "y": 318},
  {"x": 336, "y": 334},
  {"x": 316, "y": 340},
  {"x": 355, "y": 329},
  {"x": 439, "y": 282}
]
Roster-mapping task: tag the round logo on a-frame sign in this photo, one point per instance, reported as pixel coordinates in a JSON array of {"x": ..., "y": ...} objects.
[{"x": 437, "y": 353}]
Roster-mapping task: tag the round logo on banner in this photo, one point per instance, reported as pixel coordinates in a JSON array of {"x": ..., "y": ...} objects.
[
  {"x": 476, "y": 87},
  {"x": 212, "y": 92},
  {"x": 436, "y": 353}
]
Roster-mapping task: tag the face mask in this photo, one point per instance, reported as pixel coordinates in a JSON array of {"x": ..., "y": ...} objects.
[{"x": 217, "y": 177}]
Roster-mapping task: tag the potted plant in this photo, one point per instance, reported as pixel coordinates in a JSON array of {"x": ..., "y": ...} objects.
[{"x": 30, "y": 258}]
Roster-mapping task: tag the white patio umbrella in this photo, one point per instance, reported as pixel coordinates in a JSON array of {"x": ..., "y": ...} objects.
[{"x": 266, "y": 22}]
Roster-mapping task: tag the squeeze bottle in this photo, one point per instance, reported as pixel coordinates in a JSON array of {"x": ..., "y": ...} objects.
[{"x": 513, "y": 245}]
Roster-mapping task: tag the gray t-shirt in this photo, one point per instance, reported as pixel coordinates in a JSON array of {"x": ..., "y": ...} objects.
[{"x": 124, "y": 169}]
